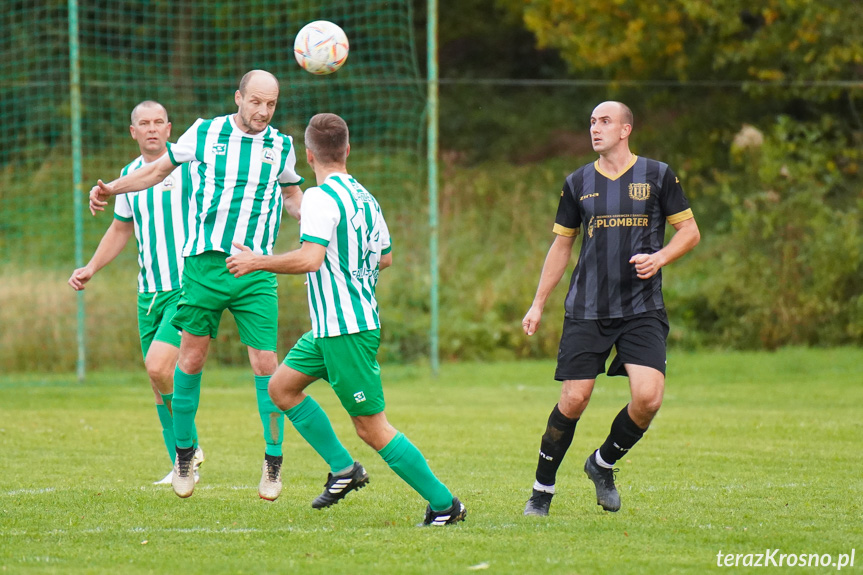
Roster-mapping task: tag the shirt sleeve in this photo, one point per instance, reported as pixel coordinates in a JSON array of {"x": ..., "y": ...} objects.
[
  {"x": 320, "y": 216},
  {"x": 122, "y": 208},
  {"x": 386, "y": 240},
  {"x": 568, "y": 219},
  {"x": 187, "y": 146},
  {"x": 672, "y": 199},
  {"x": 288, "y": 176}
]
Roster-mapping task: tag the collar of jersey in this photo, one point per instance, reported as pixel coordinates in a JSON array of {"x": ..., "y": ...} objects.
[{"x": 623, "y": 171}]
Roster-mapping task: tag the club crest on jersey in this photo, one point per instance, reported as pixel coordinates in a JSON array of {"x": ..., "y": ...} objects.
[
  {"x": 639, "y": 192},
  {"x": 268, "y": 155},
  {"x": 168, "y": 183},
  {"x": 590, "y": 227},
  {"x": 220, "y": 149}
]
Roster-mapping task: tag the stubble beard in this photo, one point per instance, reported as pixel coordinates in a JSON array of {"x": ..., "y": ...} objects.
[{"x": 248, "y": 127}]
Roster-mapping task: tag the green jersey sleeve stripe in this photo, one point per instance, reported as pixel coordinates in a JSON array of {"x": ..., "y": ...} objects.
[
  {"x": 171, "y": 157},
  {"x": 121, "y": 218},
  {"x": 314, "y": 240}
]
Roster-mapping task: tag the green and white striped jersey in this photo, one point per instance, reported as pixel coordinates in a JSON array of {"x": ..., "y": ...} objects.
[
  {"x": 160, "y": 216},
  {"x": 343, "y": 216},
  {"x": 235, "y": 177}
]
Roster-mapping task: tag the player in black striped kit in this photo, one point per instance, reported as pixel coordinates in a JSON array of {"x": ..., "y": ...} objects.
[{"x": 622, "y": 202}]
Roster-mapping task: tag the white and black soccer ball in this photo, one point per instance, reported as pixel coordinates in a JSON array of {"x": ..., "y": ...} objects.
[{"x": 321, "y": 47}]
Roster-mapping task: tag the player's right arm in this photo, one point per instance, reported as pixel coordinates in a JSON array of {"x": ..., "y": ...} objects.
[
  {"x": 113, "y": 242},
  {"x": 553, "y": 269},
  {"x": 566, "y": 225},
  {"x": 141, "y": 179}
]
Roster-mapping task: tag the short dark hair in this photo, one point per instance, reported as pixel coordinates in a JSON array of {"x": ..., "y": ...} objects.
[
  {"x": 148, "y": 104},
  {"x": 327, "y": 138}
]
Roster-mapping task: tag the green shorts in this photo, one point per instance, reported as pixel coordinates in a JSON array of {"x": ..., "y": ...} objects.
[
  {"x": 209, "y": 289},
  {"x": 155, "y": 311},
  {"x": 348, "y": 362}
]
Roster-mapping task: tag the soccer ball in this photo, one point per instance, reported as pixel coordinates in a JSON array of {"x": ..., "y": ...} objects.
[{"x": 321, "y": 47}]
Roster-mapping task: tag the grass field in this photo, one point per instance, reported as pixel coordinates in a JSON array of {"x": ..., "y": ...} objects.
[{"x": 750, "y": 452}]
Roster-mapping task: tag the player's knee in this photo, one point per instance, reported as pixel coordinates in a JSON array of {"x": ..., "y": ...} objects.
[
  {"x": 263, "y": 362},
  {"x": 573, "y": 402},
  {"x": 192, "y": 362},
  {"x": 161, "y": 376},
  {"x": 375, "y": 431},
  {"x": 279, "y": 393},
  {"x": 647, "y": 407}
]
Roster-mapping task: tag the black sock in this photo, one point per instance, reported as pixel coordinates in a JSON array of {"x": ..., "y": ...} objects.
[
  {"x": 623, "y": 435},
  {"x": 555, "y": 442}
]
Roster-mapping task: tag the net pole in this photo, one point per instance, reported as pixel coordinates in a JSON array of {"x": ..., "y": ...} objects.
[
  {"x": 77, "y": 189},
  {"x": 433, "y": 181}
]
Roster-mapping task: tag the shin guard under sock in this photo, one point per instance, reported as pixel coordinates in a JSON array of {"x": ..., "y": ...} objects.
[
  {"x": 314, "y": 426},
  {"x": 187, "y": 394},
  {"x": 408, "y": 463},
  {"x": 272, "y": 417},
  {"x": 623, "y": 435},
  {"x": 555, "y": 441}
]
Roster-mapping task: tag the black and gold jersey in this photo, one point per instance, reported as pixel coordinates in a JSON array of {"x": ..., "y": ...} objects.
[{"x": 621, "y": 216}]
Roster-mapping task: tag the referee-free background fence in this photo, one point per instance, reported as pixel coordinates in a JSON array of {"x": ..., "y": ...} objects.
[
  {"x": 757, "y": 111},
  {"x": 189, "y": 55}
]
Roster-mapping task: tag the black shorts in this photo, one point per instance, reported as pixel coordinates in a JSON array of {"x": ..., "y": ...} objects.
[{"x": 586, "y": 344}]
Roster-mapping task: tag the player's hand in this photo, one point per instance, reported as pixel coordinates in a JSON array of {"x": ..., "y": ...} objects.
[
  {"x": 99, "y": 195},
  {"x": 79, "y": 277},
  {"x": 242, "y": 263},
  {"x": 531, "y": 320},
  {"x": 646, "y": 265}
]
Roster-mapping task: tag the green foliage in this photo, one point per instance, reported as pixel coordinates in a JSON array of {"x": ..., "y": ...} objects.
[
  {"x": 687, "y": 491},
  {"x": 789, "y": 40},
  {"x": 790, "y": 268}
]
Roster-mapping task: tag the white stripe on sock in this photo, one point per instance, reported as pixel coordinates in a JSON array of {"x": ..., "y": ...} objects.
[
  {"x": 544, "y": 488},
  {"x": 601, "y": 462}
]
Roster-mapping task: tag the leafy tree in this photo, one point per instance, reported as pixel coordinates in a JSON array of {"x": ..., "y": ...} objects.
[{"x": 783, "y": 40}]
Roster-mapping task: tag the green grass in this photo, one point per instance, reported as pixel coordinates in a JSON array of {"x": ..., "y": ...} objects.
[{"x": 751, "y": 451}]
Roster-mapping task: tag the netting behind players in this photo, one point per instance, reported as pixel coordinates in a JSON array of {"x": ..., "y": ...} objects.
[{"x": 189, "y": 55}]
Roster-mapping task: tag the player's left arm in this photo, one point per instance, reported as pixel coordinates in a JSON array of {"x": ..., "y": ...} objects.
[
  {"x": 293, "y": 198},
  {"x": 386, "y": 261},
  {"x": 686, "y": 236}
]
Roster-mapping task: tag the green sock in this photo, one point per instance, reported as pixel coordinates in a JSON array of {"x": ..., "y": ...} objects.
[
  {"x": 272, "y": 417},
  {"x": 167, "y": 426},
  {"x": 168, "y": 399},
  {"x": 187, "y": 394},
  {"x": 313, "y": 424},
  {"x": 409, "y": 464}
]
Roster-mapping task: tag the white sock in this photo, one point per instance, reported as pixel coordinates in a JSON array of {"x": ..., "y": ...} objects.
[
  {"x": 544, "y": 488},
  {"x": 601, "y": 462}
]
